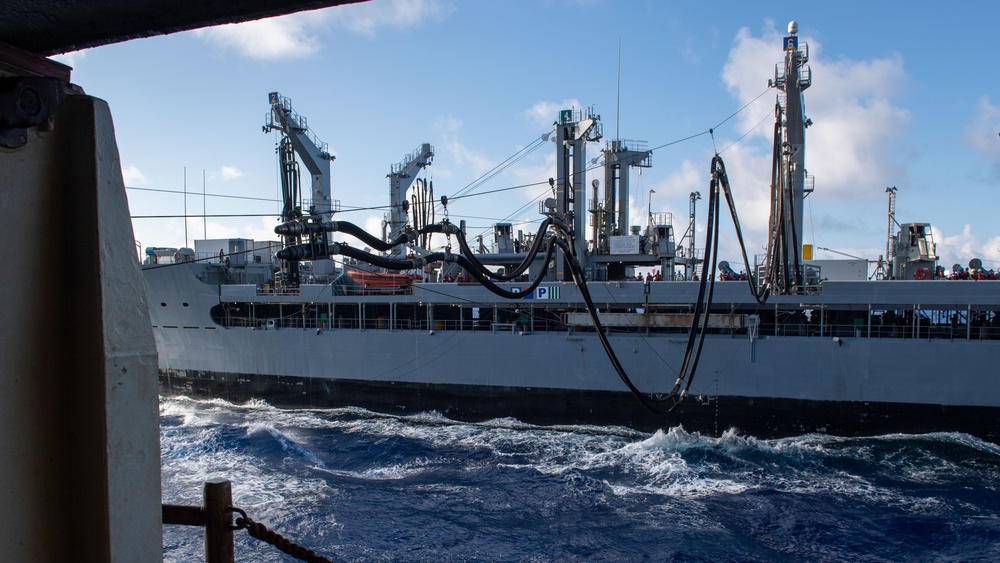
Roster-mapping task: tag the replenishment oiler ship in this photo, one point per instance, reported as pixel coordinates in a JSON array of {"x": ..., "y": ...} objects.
[{"x": 553, "y": 326}]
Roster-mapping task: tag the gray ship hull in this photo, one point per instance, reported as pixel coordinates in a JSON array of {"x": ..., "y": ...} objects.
[{"x": 801, "y": 378}]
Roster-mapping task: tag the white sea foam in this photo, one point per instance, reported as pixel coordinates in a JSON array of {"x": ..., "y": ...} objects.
[
  {"x": 288, "y": 442},
  {"x": 671, "y": 463},
  {"x": 392, "y": 472}
]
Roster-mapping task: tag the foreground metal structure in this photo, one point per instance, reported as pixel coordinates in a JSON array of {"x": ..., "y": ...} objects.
[{"x": 78, "y": 411}]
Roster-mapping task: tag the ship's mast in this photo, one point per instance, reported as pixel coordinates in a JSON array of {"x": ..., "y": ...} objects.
[
  {"x": 789, "y": 187},
  {"x": 691, "y": 264},
  {"x": 892, "y": 219},
  {"x": 574, "y": 129},
  {"x": 619, "y": 155}
]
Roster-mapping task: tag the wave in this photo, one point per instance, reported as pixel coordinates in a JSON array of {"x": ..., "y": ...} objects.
[
  {"x": 668, "y": 462},
  {"x": 429, "y": 483}
]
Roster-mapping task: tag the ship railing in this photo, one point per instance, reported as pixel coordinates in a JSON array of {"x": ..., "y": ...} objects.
[
  {"x": 272, "y": 289},
  {"x": 922, "y": 328},
  {"x": 338, "y": 289},
  {"x": 375, "y": 290},
  {"x": 820, "y": 323},
  {"x": 505, "y": 327},
  {"x": 414, "y": 155}
]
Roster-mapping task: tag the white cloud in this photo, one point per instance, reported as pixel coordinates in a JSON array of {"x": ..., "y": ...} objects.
[
  {"x": 851, "y": 105},
  {"x": 365, "y": 18},
  {"x": 983, "y": 130},
  {"x": 133, "y": 176},
  {"x": 285, "y": 37},
  {"x": 544, "y": 113},
  {"x": 454, "y": 151},
  {"x": 297, "y": 36},
  {"x": 962, "y": 247},
  {"x": 230, "y": 173},
  {"x": 373, "y": 224},
  {"x": 71, "y": 59}
]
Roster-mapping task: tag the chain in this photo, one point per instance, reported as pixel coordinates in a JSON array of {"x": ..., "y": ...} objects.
[{"x": 260, "y": 531}]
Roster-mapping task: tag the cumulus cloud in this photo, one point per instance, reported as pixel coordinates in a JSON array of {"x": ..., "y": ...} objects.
[
  {"x": 856, "y": 117},
  {"x": 133, "y": 176},
  {"x": 230, "y": 173},
  {"x": 854, "y": 112},
  {"x": 982, "y": 133},
  {"x": 373, "y": 225},
  {"x": 962, "y": 247},
  {"x": 297, "y": 35},
  {"x": 286, "y": 37},
  {"x": 454, "y": 151},
  {"x": 545, "y": 113},
  {"x": 367, "y": 17}
]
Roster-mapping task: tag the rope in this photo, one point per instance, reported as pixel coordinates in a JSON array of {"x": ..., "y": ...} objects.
[{"x": 260, "y": 532}]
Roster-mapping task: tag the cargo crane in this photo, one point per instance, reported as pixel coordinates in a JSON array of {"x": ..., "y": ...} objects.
[
  {"x": 298, "y": 140},
  {"x": 401, "y": 177}
]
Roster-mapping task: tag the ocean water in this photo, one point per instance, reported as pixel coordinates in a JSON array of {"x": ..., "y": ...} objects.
[{"x": 361, "y": 486}]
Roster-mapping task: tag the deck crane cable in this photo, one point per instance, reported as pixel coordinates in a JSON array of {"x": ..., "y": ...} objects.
[
  {"x": 463, "y": 192},
  {"x": 745, "y": 106},
  {"x": 505, "y": 164},
  {"x": 498, "y": 190},
  {"x": 227, "y": 196},
  {"x": 748, "y": 131}
]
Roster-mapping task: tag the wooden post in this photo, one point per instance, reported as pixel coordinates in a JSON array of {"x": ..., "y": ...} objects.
[{"x": 218, "y": 521}]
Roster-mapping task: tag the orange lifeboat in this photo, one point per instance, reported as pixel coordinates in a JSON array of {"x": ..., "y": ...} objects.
[{"x": 381, "y": 281}]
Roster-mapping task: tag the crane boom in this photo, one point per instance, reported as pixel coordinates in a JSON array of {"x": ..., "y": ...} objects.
[{"x": 315, "y": 154}]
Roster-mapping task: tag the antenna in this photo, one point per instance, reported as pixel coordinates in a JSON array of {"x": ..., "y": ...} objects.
[
  {"x": 618, "y": 99},
  {"x": 185, "y": 206},
  {"x": 204, "y": 206}
]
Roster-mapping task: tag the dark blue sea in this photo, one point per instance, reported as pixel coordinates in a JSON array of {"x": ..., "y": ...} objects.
[{"x": 355, "y": 485}]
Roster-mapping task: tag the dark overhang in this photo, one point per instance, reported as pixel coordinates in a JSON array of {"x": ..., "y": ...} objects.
[{"x": 49, "y": 27}]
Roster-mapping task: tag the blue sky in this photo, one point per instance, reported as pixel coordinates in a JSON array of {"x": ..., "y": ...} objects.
[{"x": 903, "y": 94}]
